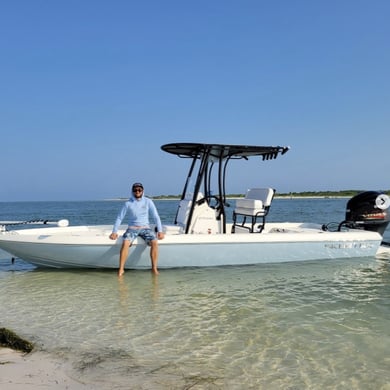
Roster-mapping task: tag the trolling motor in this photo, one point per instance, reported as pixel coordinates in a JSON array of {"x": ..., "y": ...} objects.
[{"x": 368, "y": 211}]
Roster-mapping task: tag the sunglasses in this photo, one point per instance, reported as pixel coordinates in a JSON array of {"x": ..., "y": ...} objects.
[{"x": 137, "y": 190}]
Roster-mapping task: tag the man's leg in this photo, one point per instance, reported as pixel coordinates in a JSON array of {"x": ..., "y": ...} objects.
[
  {"x": 154, "y": 255},
  {"x": 123, "y": 256}
]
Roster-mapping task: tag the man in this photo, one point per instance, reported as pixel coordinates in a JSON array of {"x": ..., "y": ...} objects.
[{"x": 139, "y": 208}]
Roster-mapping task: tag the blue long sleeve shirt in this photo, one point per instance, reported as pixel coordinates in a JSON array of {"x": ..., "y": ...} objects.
[{"x": 138, "y": 212}]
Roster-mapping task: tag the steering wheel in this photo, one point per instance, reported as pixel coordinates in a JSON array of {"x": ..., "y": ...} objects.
[{"x": 217, "y": 199}]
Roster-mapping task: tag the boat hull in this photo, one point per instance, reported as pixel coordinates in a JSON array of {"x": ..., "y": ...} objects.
[{"x": 90, "y": 247}]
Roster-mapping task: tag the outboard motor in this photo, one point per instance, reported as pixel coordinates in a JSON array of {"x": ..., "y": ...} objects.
[{"x": 369, "y": 211}]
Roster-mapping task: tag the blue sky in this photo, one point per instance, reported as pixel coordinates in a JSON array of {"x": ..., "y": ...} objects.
[{"x": 90, "y": 90}]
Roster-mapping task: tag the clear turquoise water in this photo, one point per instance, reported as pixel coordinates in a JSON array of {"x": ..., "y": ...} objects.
[{"x": 309, "y": 325}]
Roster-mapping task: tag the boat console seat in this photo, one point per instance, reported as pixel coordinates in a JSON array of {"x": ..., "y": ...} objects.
[
  {"x": 184, "y": 209},
  {"x": 256, "y": 204}
]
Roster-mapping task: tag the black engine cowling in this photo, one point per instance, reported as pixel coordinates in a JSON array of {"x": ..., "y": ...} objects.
[{"x": 369, "y": 211}]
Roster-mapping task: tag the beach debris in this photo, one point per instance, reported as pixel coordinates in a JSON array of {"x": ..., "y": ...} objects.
[{"x": 10, "y": 339}]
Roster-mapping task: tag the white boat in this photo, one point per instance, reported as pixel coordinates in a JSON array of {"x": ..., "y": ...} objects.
[{"x": 200, "y": 235}]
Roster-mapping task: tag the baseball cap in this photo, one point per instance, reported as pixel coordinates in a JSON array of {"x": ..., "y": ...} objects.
[{"x": 136, "y": 185}]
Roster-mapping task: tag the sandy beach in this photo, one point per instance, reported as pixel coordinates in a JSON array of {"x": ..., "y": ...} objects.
[{"x": 36, "y": 370}]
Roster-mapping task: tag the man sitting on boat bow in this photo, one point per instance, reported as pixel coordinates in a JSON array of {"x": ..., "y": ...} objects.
[{"x": 139, "y": 208}]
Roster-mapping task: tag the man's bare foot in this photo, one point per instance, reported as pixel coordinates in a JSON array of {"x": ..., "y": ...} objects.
[
  {"x": 155, "y": 271},
  {"x": 121, "y": 272}
]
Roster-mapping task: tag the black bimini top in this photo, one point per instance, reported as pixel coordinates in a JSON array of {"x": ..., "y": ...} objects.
[{"x": 219, "y": 151}]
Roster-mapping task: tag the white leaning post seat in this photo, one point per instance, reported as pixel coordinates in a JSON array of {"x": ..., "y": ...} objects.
[
  {"x": 184, "y": 210},
  {"x": 256, "y": 204}
]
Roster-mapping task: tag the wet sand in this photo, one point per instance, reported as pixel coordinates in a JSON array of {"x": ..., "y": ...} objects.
[{"x": 35, "y": 371}]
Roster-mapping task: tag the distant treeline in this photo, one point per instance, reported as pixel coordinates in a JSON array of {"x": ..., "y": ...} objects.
[
  {"x": 343, "y": 193},
  {"x": 308, "y": 194}
]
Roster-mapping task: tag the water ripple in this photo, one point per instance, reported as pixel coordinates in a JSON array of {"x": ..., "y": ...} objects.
[{"x": 304, "y": 325}]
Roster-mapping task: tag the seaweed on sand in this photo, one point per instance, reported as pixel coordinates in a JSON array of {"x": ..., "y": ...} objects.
[{"x": 10, "y": 339}]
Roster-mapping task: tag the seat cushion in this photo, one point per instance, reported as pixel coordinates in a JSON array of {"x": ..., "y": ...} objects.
[
  {"x": 249, "y": 204},
  {"x": 265, "y": 194}
]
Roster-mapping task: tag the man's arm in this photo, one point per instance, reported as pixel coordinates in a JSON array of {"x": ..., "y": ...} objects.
[
  {"x": 118, "y": 221},
  {"x": 155, "y": 216}
]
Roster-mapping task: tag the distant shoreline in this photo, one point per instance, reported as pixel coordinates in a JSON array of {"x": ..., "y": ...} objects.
[
  {"x": 343, "y": 194},
  {"x": 240, "y": 197}
]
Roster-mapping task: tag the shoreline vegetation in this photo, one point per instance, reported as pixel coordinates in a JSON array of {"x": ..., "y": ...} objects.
[
  {"x": 9, "y": 339},
  {"x": 290, "y": 195}
]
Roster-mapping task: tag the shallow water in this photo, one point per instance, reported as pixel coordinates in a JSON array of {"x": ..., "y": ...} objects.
[
  {"x": 304, "y": 325},
  {"x": 311, "y": 325}
]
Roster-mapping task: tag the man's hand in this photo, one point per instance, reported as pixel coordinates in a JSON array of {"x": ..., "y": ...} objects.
[
  {"x": 113, "y": 236},
  {"x": 160, "y": 235}
]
